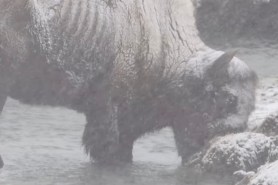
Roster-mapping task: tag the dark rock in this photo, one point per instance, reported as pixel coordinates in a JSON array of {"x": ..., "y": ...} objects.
[{"x": 236, "y": 20}]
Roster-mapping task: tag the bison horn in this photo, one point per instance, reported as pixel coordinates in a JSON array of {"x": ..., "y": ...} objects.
[
  {"x": 218, "y": 71},
  {"x": 223, "y": 61}
]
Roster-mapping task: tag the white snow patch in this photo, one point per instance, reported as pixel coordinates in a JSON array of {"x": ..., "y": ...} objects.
[
  {"x": 267, "y": 175},
  {"x": 267, "y": 102},
  {"x": 238, "y": 149}
]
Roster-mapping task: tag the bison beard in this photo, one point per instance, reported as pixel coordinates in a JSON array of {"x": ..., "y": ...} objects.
[{"x": 131, "y": 67}]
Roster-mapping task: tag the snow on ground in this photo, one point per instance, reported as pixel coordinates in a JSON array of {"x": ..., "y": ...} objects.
[
  {"x": 243, "y": 151},
  {"x": 267, "y": 175},
  {"x": 267, "y": 102}
]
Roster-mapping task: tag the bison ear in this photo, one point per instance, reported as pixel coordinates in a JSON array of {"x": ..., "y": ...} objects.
[{"x": 218, "y": 72}]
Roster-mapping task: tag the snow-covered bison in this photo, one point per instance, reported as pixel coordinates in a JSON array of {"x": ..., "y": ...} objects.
[{"x": 131, "y": 66}]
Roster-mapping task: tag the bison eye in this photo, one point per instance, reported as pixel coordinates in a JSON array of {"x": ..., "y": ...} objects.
[
  {"x": 232, "y": 99},
  {"x": 213, "y": 94},
  {"x": 231, "y": 104}
]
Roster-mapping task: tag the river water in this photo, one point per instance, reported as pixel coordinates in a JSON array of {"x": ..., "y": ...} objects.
[{"x": 42, "y": 146}]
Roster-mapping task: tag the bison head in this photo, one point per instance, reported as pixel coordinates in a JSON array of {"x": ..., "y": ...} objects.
[{"x": 220, "y": 90}]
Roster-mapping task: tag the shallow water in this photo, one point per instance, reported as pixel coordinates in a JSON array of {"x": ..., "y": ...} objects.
[{"x": 42, "y": 146}]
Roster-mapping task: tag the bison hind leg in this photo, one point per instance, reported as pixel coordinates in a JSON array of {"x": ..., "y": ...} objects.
[
  {"x": 99, "y": 143},
  {"x": 106, "y": 147},
  {"x": 4, "y": 90},
  {"x": 3, "y": 98},
  {"x": 102, "y": 139}
]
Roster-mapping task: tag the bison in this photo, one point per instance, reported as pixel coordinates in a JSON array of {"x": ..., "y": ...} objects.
[{"x": 131, "y": 66}]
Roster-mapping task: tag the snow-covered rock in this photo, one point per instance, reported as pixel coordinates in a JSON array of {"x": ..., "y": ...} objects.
[
  {"x": 243, "y": 151},
  {"x": 266, "y": 175},
  {"x": 243, "y": 177}
]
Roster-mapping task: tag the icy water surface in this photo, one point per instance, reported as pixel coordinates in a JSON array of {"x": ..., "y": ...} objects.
[{"x": 42, "y": 146}]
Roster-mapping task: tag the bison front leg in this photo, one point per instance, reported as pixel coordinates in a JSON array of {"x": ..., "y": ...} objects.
[
  {"x": 189, "y": 137},
  {"x": 184, "y": 145},
  {"x": 4, "y": 87},
  {"x": 4, "y": 84},
  {"x": 3, "y": 97}
]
